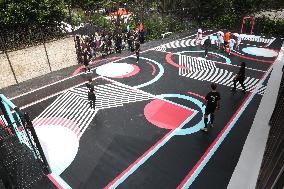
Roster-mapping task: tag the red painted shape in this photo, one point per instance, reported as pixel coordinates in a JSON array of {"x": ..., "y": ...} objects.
[
  {"x": 134, "y": 72},
  {"x": 153, "y": 68},
  {"x": 166, "y": 115},
  {"x": 216, "y": 139},
  {"x": 195, "y": 94},
  {"x": 170, "y": 61},
  {"x": 57, "y": 121},
  {"x": 213, "y": 55},
  {"x": 54, "y": 181},
  {"x": 93, "y": 62}
]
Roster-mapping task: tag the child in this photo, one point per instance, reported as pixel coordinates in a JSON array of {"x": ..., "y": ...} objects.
[
  {"x": 239, "y": 40},
  {"x": 198, "y": 36},
  {"x": 232, "y": 43},
  {"x": 220, "y": 40}
]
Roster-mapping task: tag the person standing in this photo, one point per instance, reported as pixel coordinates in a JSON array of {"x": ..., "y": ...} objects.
[
  {"x": 207, "y": 45},
  {"x": 137, "y": 49},
  {"x": 198, "y": 37},
  {"x": 227, "y": 37},
  {"x": 91, "y": 93},
  {"x": 212, "y": 101},
  {"x": 239, "y": 40},
  {"x": 220, "y": 39},
  {"x": 240, "y": 77},
  {"x": 232, "y": 43},
  {"x": 86, "y": 60}
]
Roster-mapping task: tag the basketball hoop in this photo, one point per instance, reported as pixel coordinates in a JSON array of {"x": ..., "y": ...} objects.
[{"x": 252, "y": 23}]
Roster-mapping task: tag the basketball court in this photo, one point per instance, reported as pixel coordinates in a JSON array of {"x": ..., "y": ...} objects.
[{"x": 145, "y": 130}]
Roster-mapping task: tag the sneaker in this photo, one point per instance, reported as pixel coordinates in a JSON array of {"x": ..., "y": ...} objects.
[{"x": 204, "y": 129}]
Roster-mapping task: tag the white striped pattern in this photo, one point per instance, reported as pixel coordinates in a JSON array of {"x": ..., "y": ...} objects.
[
  {"x": 194, "y": 64},
  {"x": 217, "y": 75},
  {"x": 73, "y": 105},
  {"x": 257, "y": 39},
  {"x": 178, "y": 44},
  {"x": 192, "y": 42}
]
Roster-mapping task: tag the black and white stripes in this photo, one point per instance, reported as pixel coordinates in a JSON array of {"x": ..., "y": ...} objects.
[
  {"x": 210, "y": 73},
  {"x": 195, "y": 64},
  {"x": 72, "y": 109}
]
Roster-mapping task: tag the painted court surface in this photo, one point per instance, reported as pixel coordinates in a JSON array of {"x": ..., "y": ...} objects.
[{"x": 145, "y": 130}]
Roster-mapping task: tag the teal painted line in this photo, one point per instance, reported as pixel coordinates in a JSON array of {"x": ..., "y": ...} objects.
[
  {"x": 160, "y": 74},
  {"x": 208, "y": 156},
  {"x": 8, "y": 101},
  {"x": 196, "y": 127},
  {"x": 14, "y": 124},
  {"x": 148, "y": 155}
]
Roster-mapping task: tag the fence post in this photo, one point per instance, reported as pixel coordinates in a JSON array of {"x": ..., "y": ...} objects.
[
  {"x": 7, "y": 56},
  {"x": 46, "y": 54}
]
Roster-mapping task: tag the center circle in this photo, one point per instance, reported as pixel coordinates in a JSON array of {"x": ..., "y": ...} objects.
[{"x": 117, "y": 70}]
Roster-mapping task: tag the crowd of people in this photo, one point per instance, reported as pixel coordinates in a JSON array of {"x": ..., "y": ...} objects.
[
  {"x": 227, "y": 41},
  {"x": 105, "y": 43}
]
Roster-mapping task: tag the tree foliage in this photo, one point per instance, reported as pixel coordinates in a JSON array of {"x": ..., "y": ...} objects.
[{"x": 30, "y": 13}]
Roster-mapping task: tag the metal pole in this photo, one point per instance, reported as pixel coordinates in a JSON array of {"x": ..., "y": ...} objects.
[{"x": 10, "y": 119}]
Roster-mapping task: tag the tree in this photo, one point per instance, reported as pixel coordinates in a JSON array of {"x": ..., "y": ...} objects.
[{"x": 31, "y": 13}]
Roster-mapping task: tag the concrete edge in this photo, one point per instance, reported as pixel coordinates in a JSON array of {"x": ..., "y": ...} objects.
[{"x": 246, "y": 172}]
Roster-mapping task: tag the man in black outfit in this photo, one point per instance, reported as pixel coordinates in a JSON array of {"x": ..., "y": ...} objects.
[
  {"x": 240, "y": 77},
  {"x": 212, "y": 101},
  {"x": 207, "y": 45},
  {"x": 91, "y": 93}
]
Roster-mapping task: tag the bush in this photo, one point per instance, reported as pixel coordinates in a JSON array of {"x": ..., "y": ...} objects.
[
  {"x": 156, "y": 25},
  {"x": 266, "y": 26}
]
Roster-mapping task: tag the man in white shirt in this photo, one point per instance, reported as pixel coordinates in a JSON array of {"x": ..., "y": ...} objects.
[
  {"x": 220, "y": 40},
  {"x": 239, "y": 40},
  {"x": 198, "y": 36},
  {"x": 232, "y": 43}
]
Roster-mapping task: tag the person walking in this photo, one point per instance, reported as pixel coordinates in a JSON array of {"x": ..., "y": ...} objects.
[
  {"x": 232, "y": 43},
  {"x": 212, "y": 101},
  {"x": 207, "y": 45},
  {"x": 240, "y": 77},
  {"x": 137, "y": 49},
  {"x": 91, "y": 93}
]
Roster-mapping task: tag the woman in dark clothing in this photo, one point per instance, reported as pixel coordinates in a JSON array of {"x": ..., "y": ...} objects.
[
  {"x": 91, "y": 93},
  {"x": 240, "y": 77},
  {"x": 86, "y": 60}
]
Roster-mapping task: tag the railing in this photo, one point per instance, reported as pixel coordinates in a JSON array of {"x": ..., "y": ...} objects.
[
  {"x": 271, "y": 173},
  {"x": 22, "y": 159}
]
